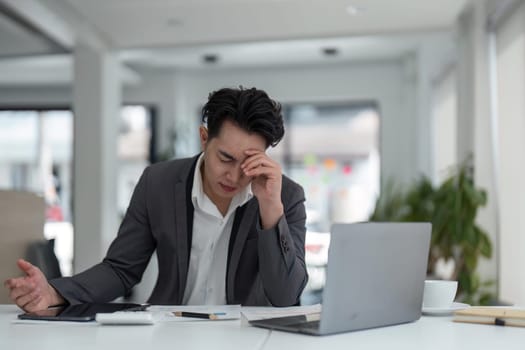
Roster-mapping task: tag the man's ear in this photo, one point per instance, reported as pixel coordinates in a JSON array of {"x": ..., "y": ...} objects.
[{"x": 203, "y": 133}]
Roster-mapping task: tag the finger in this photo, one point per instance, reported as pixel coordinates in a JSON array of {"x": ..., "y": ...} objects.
[
  {"x": 253, "y": 151},
  {"x": 15, "y": 282},
  {"x": 10, "y": 283},
  {"x": 27, "y": 267},
  {"x": 261, "y": 172},
  {"x": 35, "y": 306},
  {"x": 255, "y": 162},
  {"x": 266, "y": 172},
  {"x": 262, "y": 166},
  {"x": 26, "y": 298},
  {"x": 21, "y": 290},
  {"x": 32, "y": 304}
]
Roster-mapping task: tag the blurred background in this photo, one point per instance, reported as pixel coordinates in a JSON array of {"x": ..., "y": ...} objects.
[{"x": 374, "y": 92}]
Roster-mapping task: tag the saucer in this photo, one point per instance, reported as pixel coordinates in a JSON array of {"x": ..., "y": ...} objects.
[{"x": 444, "y": 311}]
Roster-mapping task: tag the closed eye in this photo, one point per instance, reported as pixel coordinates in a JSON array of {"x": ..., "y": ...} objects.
[{"x": 225, "y": 157}]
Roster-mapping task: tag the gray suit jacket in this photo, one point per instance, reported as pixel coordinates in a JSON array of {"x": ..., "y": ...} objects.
[{"x": 265, "y": 267}]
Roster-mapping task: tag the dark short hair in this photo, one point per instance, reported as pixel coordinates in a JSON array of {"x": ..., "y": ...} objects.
[{"x": 250, "y": 109}]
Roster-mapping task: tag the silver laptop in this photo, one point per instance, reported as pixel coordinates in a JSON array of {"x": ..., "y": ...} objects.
[{"x": 375, "y": 277}]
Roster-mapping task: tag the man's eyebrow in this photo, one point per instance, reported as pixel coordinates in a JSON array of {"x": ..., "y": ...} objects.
[{"x": 227, "y": 155}]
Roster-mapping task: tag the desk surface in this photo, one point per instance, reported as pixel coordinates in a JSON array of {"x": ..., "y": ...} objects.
[{"x": 427, "y": 333}]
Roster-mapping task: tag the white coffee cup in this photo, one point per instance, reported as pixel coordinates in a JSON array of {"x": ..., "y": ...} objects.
[{"x": 439, "y": 293}]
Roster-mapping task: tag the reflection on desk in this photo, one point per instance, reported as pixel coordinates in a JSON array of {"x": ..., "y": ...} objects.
[{"x": 427, "y": 333}]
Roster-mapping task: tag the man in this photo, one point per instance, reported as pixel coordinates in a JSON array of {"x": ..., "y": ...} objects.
[{"x": 227, "y": 226}]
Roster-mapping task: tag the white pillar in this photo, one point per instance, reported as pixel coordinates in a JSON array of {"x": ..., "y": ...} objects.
[
  {"x": 474, "y": 119},
  {"x": 424, "y": 112},
  {"x": 433, "y": 56},
  {"x": 97, "y": 100},
  {"x": 399, "y": 138},
  {"x": 510, "y": 128}
]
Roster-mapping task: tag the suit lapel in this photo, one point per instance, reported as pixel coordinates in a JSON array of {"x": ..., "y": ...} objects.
[
  {"x": 184, "y": 224},
  {"x": 239, "y": 237},
  {"x": 181, "y": 226}
]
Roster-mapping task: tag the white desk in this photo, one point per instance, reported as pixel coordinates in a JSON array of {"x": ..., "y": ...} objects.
[{"x": 427, "y": 333}]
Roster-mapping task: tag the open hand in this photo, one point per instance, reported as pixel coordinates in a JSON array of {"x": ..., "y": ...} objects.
[{"x": 32, "y": 292}]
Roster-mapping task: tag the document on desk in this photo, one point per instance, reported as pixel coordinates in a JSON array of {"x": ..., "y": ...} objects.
[
  {"x": 251, "y": 313},
  {"x": 188, "y": 313}
]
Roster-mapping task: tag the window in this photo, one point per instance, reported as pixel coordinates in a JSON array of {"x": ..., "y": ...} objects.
[
  {"x": 36, "y": 153},
  {"x": 332, "y": 150}
]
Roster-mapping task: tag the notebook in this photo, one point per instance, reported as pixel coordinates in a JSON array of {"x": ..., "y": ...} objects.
[{"x": 375, "y": 277}]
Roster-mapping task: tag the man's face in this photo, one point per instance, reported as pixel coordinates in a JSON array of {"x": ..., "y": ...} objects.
[{"x": 222, "y": 175}]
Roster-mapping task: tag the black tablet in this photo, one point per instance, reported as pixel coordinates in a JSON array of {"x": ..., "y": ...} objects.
[{"x": 80, "y": 312}]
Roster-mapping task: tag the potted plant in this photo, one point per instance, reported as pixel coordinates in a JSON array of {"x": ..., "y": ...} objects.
[{"x": 452, "y": 209}]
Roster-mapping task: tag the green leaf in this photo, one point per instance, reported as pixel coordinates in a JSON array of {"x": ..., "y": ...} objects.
[
  {"x": 471, "y": 261},
  {"x": 485, "y": 247},
  {"x": 452, "y": 208},
  {"x": 486, "y": 299}
]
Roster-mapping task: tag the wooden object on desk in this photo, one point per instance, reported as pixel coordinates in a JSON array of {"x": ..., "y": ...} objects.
[
  {"x": 500, "y": 316},
  {"x": 22, "y": 218}
]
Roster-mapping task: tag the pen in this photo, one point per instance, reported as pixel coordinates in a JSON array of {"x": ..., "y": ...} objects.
[
  {"x": 499, "y": 321},
  {"x": 211, "y": 316}
]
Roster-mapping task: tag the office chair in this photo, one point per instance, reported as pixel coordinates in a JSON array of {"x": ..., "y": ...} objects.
[{"x": 42, "y": 254}]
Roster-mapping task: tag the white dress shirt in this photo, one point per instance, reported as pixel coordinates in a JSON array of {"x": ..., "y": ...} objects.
[{"x": 206, "y": 281}]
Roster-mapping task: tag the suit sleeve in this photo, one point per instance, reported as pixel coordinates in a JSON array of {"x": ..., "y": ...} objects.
[
  {"x": 125, "y": 262},
  {"x": 281, "y": 250}
]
